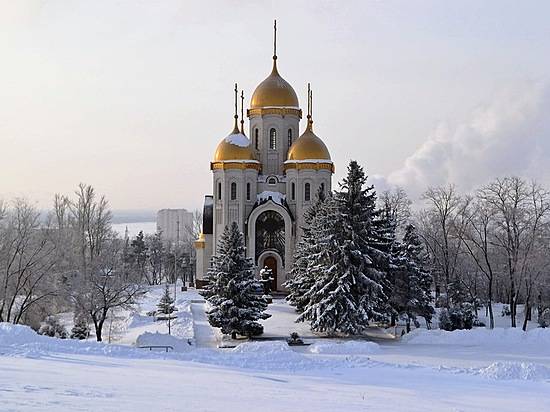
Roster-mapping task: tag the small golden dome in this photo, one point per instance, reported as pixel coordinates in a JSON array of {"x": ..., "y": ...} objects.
[
  {"x": 274, "y": 91},
  {"x": 236, "y": 146},
  {"x": 308, "y": 147}
]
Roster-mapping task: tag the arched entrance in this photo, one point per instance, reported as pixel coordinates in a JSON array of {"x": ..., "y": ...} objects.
[
  {"x": 271, "y": 263},
  {"x": 270, "y": 235}
]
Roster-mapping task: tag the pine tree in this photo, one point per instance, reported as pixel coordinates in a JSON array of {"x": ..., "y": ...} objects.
[
  {"x": 351, "y": 267},
  {"x": 302, "y": 280},
  {"x": 411, "y": 292},
  {"x": 81, "y": 329},
  {"x": 233, "y": 292},
  {"x": 166, "y": 303}
]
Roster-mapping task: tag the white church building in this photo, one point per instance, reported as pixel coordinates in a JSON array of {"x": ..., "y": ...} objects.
[{"x": 267, "y": 181}]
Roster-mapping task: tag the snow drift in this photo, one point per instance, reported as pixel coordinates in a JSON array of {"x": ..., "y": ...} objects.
[
  {"x": 516, "y": 370},
  {"x": 345, "y": 348},
  {"x": 512, "y": 338},
  {"x": 161, "y": 339}
]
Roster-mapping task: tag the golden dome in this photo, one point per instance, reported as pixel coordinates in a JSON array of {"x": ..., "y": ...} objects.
[
  {"x": 236, "y": 146},
  {"x": 308, "y": 147},
  {"x": 274, "y": 92}
]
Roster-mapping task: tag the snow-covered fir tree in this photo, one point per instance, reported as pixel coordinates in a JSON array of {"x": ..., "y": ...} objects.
[
  {"x": 233, "y": 292},
  {"x": 302, "y": 279},
  {"x": 166, "y": 303},
  {"x": 351, "y": 266},
  {"x": 411, "y": 282},
  {"x": 81, "y": 329}
]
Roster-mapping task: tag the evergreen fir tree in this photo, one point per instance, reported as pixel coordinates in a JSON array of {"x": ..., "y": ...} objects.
[
  {"x": 233, "y": 292},
  {"x": 302, "y": 280},
  {"x": 166, "y": 303},
  {"x": 351, "y": 266},
  {"x": 81, "y": 329},
  {"x": 411, "y": 292}
]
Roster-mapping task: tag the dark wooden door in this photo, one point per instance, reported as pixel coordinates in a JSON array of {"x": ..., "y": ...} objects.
[{"x": 271, "y": 263}]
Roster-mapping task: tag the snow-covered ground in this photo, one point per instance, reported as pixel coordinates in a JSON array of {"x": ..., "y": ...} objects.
[{"x": 479, "y": 370}]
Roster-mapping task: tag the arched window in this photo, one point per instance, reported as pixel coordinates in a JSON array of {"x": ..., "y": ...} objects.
[
  {"x": 272, "y": 180},
  {"x": 272, "y": 139},
  {"x": 233, "y": 191},
  {"x": 256, "y": 139},
  {"x": 293, "y": 191},
  {"x": 219, "y": 191},
  {"x": 248, "y": 191},
  {"x": 289, "y": 137},
  {"x": 307, "y": 192}
]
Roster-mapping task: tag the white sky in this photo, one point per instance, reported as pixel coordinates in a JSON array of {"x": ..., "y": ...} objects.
[{"x": 133, "y": 96}]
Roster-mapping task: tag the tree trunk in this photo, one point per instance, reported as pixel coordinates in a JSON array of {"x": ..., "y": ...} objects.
[
  {"x": 513, "y": 303},
  {"x": 526, "y": 317},
  {"x": 490, "y": 304}
]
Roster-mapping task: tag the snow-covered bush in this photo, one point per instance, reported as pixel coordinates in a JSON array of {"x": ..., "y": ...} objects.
[
  {"x": 53, "y": 328},
  {"x": 80, "y": 330},
  {"x": 506, "y": 311},
  {"x": 544, "y": 319},
  {"x": 461, "y": 317}
]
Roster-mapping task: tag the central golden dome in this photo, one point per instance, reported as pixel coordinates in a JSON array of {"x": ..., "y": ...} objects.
[{"x": 274, "y": 91}]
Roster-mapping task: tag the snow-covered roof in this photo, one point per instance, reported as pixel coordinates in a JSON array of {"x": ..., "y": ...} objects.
[
  {"x": 277, "y": 197},
  {"x": 238, "y": 139}
]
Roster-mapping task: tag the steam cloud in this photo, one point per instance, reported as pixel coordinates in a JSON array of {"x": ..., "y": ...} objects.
[{"x": 509, "y": 136}]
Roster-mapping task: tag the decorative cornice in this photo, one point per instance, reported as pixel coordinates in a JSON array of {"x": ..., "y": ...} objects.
[
  {"x": 239, "y": 165},
  {"x": 199, "y": 244},
  {"x": 303, "y": 165},
  {"x": 281, "y": 111}
]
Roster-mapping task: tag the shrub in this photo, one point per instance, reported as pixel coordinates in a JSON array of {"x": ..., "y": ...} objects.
[
  {"x": 53, "y": 328},
  {"x": 461, "y": 317},
  {"x": 80, "y": 330},
  {"x": 544, "y": 319},
  {"x": 506, "y": 311}
]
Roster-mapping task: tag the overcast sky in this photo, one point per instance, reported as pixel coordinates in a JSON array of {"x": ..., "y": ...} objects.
[{"x": 133, "y": 96}]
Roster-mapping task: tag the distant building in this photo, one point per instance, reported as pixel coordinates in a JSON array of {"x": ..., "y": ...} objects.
[{"x": 174, "y": 224}]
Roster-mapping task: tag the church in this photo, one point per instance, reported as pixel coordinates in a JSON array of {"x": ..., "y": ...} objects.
[{"x": 267, "y": 181}]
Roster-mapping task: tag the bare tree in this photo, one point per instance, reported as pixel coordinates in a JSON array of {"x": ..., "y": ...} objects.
[
  {"x": 398, "y": 205},
  {"x": 438, "y": 227},
  {"x": 99, "y": 283},
  {"x": 477, "y": 239},
  {"x": 519, "y": 209},
  {"x": 26, "y": 261}
]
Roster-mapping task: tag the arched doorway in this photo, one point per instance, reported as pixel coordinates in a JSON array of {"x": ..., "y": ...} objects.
[{"x": 271, "y": 263}]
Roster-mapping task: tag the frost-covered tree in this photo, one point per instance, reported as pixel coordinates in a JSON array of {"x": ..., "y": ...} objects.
[
  {"x": 52, "y": 327},
  {"x": 233, "y": 293},
  {"x": 350, "y": 268},
  {"x": 411, "y": 289},
  {"x": 81, "y": 329},
  {"x": 302, "y": 279},
  {"x": 166, "y": 303}
]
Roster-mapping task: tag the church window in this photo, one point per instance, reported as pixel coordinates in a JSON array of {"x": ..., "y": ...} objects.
[
  {"x": 293, "y": 191},
  {"x": 272, "y": 180},
  {"x": 289, "y": 137},
  {"x": 248, "y": 191},
  {"x": 233, "y": 191},
  {"x": 219, "y": 191},
  {"x": 273, "y": 139},
  {"x": 307, "y": 192},
  {"x": 257, "y": 139}
]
